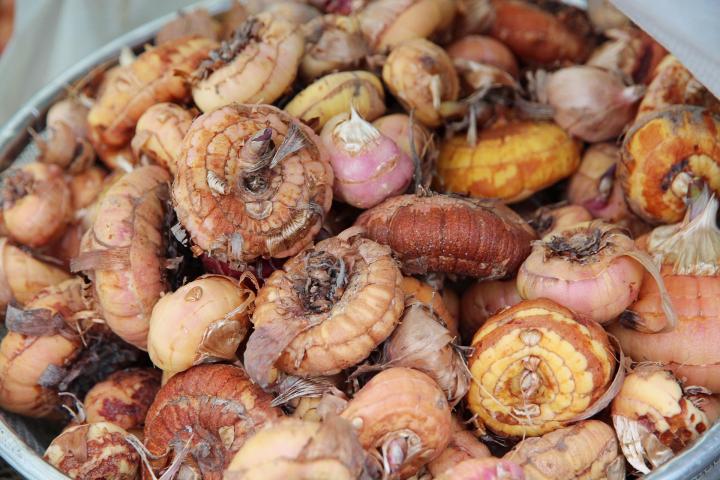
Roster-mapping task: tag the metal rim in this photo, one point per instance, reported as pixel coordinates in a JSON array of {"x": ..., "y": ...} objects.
[
  {"x": 701, "y": 456},
  {"x": 13, "y": 137}
]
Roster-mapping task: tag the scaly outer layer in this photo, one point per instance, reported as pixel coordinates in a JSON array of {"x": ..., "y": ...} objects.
[
  {"x": 127, "y": 228},
  {"x": 260, "y": 72},
  {"x": 277, "y": 222},
  {"x": 214, "y": 407},
  {"x": 661, "y": 148},
  {"x": 509, "y": 162},
  {"x": 585, "y": 451},
  {"x": 158, "y": 75},
  {"x": 447, "y": 234},
  {"x": 536, "y": 366},
  {"x": 364, "y": 316}
]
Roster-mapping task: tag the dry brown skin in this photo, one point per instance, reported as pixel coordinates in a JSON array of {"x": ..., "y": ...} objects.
[
  {"x": 214, "y": 407},
  {"x": 587, "y": 450},
  {"x": 236, "y": 203},
  {"x": 440, "y": 233},
  {"x": 673, "y": 84},
  {"x": 160, "y": 132},
  {"x": 485, "y": 469},
  {"x": 67, "y": 144},
  {"x": 158, "y": 75},
  {"x": 435, "y": 300},
  {"x": 542, "y": 36},
  {"x": 535, "y": 366},
  {"x": 326, "y": 310},
  {"x": 401, "y": 415},
  {"x": 463, "y": 446},
  {"x": 123, "y": 398},
  {"x": 483, "y": 300},
  {"x": 22, "y": 276},
  {"x": 332, "y": 43},
  {"x": 94, "y": 451},
  {"x": 123, "y": 252},
  {"x": 203, "y": 320},
  {"x": 37, "y": 204},
  {"x": 197, "y": 22},
  {"x": 421, "y": 76},
  {"x": 256, "y": 65},
  {"x": 654, "y": 401},
  {"x": 662, "y": 154},
  {"x": 386, "y": 23},
  {"x": 298, "y": 450},
  {"x": 421, "y": 342}
]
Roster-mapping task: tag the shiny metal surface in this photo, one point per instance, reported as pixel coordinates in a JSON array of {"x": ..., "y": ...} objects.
[{"x": 18, "y": 444}]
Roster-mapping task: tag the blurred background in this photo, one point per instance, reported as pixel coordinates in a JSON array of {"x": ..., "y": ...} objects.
[{"x": 39, "y": 39}]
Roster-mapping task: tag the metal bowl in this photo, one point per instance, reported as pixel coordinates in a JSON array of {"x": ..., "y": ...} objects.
[{"x": 23, "y": 440}]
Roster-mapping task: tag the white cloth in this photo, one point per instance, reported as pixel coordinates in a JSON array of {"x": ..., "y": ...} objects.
[
  {"x": 52, "y": 35},
  {"x": 690, "y": 29}
]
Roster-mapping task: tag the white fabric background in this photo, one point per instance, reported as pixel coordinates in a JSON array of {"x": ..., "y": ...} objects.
[
  {"x": 688, "y": 28},
  {"x": 52, "y": 35}
]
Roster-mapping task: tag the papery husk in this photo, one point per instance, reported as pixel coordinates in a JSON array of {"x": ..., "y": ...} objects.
[
  {"x": 463, "y": 446},
  {"x": 300, "y": 450},
  {"x": 692, "y": 246},
  {"x": 423, "y": 343}
]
